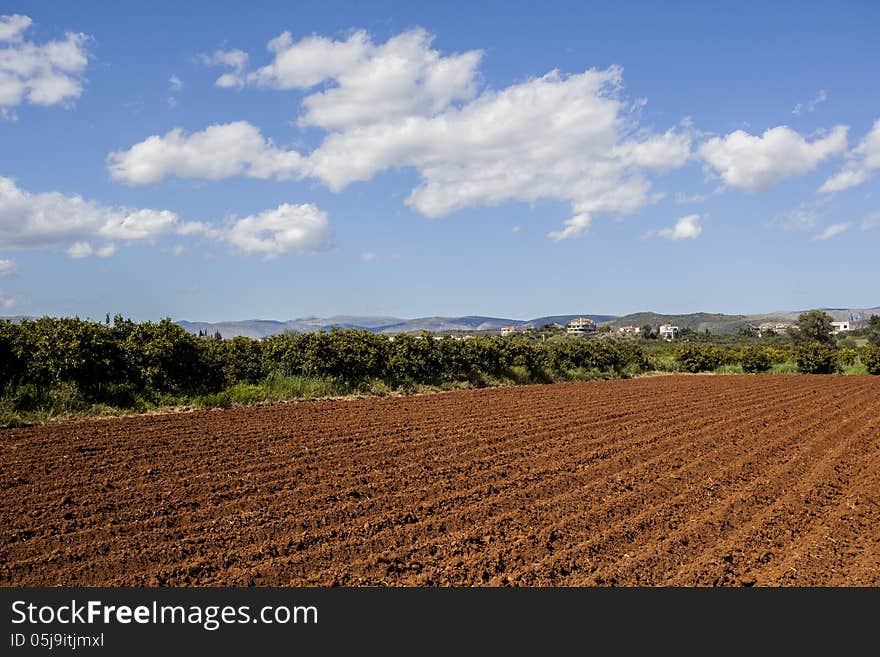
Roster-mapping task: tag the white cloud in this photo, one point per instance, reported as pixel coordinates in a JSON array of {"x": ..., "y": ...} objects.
[
  {"x": 218, "y": 151},
  {"x": 575, "y": 226},
  {"x": 175, "y": 83},
  {"x": 810, "y": 105},
  {"x": 864, "y": 159},
  {"x": 516, "y": 229},
  {"x": 85, "y": 250},
  {"x": 84, "y": 228},
  {"x": 370, "y": 82},
  {"x": 369, "y": 256},
  {"x": 403, "y": 104},
  {"x": 12, "y": 27},
  {"x": 832, "y": 231},
  {"x": 686, "y": 228},
  {"x": 235, "y": 59},
  {"x": 8, "y": 268},
  {"x": 757, "y": 163},
  {"x": 55, "y": 220},
  {"x": 40, "y": 74},
  {"x": 138, "y": 225},
  {"x": 287, "y": 228}
]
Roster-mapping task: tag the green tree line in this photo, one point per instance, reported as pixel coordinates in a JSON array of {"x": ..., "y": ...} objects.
[{"x": 123, "y": 363}]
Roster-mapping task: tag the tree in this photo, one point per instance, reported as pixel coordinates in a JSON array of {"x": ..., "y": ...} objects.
[
  {"x": 647, "y": 332},
  {"x": 815, "y": 326},
  {"x": 871, "y": 359},
  {"x": 755, "y": 359},
  {"x": 874, "y": 330},
  {"x": 816, "y": 358}
]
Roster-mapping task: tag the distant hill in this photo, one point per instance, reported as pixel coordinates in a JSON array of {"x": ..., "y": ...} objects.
[
  {"x": 720, "y": 323},
  {"x": 441, "y": 324},
  {"x": 714, "y": 322},
  {"x": 562, "y": 320},
  {"x": 260, "y": 328}
]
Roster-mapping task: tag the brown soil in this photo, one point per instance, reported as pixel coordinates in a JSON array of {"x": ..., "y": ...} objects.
[{"x": 677, "y": 480}]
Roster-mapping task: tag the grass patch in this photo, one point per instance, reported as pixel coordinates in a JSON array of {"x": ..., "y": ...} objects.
[
  {"x": 663, "y": 363},
  {"x": 788, "y": 367},
  {"x": 729, "y": 369},
  {"x": 272, "y": 390},
  {"x": 856, "y": 368}
]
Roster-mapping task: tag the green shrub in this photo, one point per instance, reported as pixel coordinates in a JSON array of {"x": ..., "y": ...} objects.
[
  {"x": 871, "y": 359},
  {"x": 755, "y": 360},
  {"x": 699, "y": 358},
  {"x": 816, "y": 358},
  {"x": 847, "y": 357}
]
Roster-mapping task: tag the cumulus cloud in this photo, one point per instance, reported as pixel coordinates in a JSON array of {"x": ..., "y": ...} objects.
[
  {"x": 70, "y": 222},
  {"x": 85, "y": 228},
  {"x": 218, "y": 151},
  {"x": 810, "y": 105},
  {"x": 757, "y": 163},
  {"x": 686, "y": 228},
  {"x": 832, "y": 231},
  {"x": 8, "y": 268},
  {"x": 863, "y": 160},
  {"x": 40, "y": 74},
  {"x": 175, "y": 83},
  {"x": 403, "y": 104},
  {"x": 370, "y": 82},
  {"x": 287, "y": 228},
  {"x": 80, "y": 250}
]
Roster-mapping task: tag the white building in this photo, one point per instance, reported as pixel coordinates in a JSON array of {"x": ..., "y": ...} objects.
[
  {"x": 775, "y": 327},
  {"x": 581, "y": 326},
  {"x": 635, "y": 330},
  {"x": 507, "y": 330},
  {"x": 668, "y": 332},
  {"x": 841, "y": 327}
]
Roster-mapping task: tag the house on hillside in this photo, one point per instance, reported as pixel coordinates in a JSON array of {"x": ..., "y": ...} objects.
[
  {"x": 634, "y": 330},
  {"x": 774, "y": 327},
  {"x": 508, "y": 330},
  {"x": 581, "y": 326},
  {"x": 841, "y": 327},
  {"x": 668, "y": 332}
]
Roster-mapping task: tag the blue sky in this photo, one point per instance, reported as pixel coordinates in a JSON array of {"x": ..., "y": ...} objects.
[{"x": 226, "y": 160}]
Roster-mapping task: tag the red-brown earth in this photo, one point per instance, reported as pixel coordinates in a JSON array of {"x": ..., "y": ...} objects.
[{"x": 673, "y": 480}]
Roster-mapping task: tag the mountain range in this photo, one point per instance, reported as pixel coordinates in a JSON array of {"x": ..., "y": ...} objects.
[{"x": 714, "y": 322}]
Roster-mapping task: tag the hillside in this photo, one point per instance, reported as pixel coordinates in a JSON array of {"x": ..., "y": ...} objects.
[{"x": 714, "y": 322}]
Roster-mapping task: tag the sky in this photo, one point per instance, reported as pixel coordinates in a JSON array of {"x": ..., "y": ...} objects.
[{"x": 227, "y": 160}]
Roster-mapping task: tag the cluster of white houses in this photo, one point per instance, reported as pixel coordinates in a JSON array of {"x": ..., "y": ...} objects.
[
  {"x": 586, "y": 326},
  {"x": 781, "y": 327}
]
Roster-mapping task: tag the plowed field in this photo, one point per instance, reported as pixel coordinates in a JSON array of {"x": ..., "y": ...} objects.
[{"x": 676, "y": 480}]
